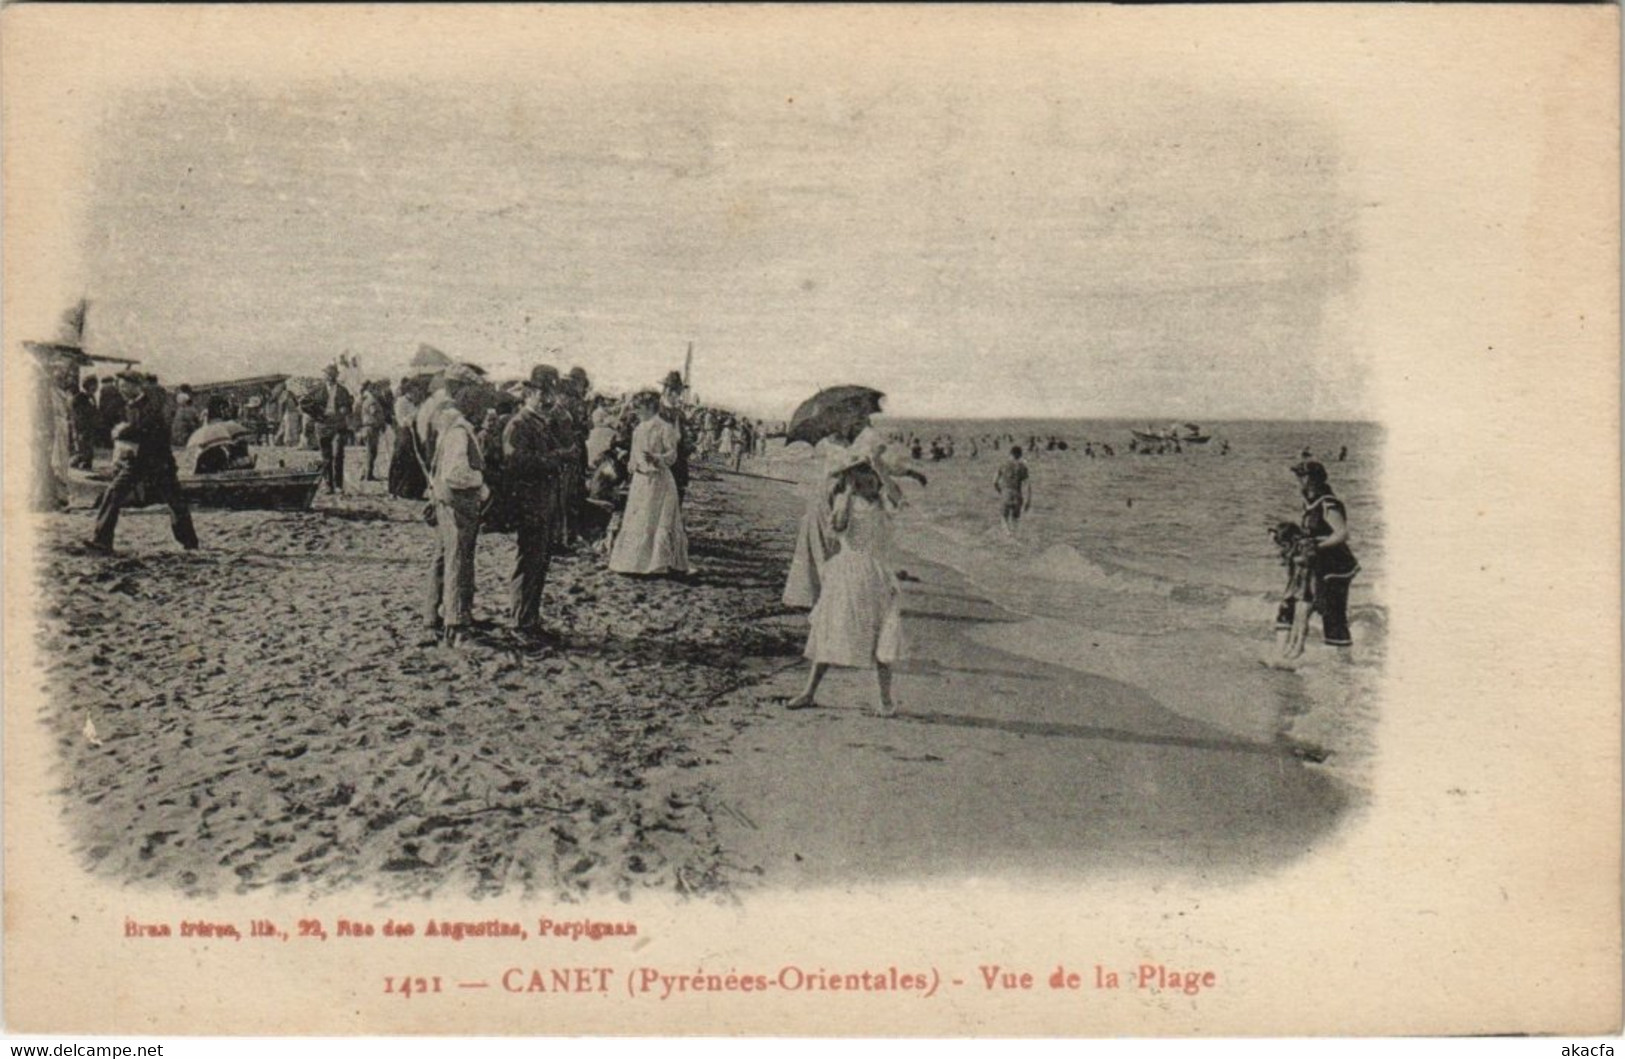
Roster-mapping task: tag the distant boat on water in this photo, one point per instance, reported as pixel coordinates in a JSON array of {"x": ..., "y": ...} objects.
[{"x": 1184, "y": 433}]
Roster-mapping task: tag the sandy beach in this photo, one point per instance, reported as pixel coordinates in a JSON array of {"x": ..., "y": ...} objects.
[{"x": 272, "y": 714}]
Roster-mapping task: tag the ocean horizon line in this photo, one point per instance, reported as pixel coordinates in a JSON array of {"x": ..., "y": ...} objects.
[{"x": 1150, "y": 420}]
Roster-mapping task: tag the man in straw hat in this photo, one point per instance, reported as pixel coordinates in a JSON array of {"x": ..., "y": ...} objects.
[
  {"x": 537, "y": 452},
  {"x": 457, "y": 484},
  {"x": 435, "y": 405},
  {"x": 143, "y": 467}
]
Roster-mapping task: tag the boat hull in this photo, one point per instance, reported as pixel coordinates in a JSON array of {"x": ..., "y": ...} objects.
[{"x": 256, "y": 490}]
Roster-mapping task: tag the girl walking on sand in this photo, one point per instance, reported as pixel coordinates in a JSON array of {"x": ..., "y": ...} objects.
[{"x": 858, "y": 619}]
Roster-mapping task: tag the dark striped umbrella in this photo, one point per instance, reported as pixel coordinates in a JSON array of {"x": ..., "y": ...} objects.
[{"x": 833, "y": 411}]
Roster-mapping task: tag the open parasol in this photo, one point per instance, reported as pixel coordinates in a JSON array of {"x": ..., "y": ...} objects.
[{"x": 832, "y": 411}]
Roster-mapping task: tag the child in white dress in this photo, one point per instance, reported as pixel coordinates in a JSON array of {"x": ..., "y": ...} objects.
[{"x": 858, "y": 619}]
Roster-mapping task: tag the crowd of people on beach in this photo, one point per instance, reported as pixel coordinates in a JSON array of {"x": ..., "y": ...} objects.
[{"x": 544, "y": 457}]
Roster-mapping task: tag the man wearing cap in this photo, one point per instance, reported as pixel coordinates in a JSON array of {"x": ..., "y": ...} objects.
[
  {"x": 1332, "y": 564},
  {"x": 143, "y": 467},
  {"x": 332, "y": 429},
  {"x": 457, "y": 484},
  {"x": 187, "y": 417},
  {"x": 537, "y": 453},
  {"x": 579, "y": 385}
]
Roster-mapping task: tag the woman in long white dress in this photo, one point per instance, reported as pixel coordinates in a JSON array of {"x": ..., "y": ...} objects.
[
  {"x": 858, "y": 620},
  {"x": 816, "y": 543},
  {"x": 651, "y": 538}
]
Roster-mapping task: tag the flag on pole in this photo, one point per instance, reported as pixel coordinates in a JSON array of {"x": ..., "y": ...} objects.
[{"x": 72, "y": 329}]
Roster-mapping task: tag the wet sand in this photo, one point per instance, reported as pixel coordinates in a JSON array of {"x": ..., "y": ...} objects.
[
  {"x": 272, "y": 714},
  {"x": 999, "y": 766}
]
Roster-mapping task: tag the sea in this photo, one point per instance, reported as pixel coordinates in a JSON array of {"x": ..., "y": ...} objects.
[{"x": 1158, "y": 569}]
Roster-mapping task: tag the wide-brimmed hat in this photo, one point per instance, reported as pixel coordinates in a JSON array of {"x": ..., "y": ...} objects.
[
  {"x": 843, "y": 460},
  {"x": 543, "y": 377},
  {"x": 1313, "y": 470},
  {"x": 461, "y": 373},
  {"x": 674, "y": 381}
]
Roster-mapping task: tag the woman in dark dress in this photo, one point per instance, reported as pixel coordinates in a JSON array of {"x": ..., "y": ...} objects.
[
  {"x": 1331, "y": 562},
  {"x": 406, "y": 477}
]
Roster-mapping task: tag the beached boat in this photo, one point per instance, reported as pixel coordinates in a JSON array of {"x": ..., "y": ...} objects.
[{"x": 261, "y": 489}]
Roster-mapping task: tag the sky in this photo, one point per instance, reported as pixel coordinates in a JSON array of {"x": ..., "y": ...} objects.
[{"x": 1052, "y": 241}]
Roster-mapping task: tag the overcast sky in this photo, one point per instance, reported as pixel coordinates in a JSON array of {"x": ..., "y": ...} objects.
[{"x": 1053, "y": 241}]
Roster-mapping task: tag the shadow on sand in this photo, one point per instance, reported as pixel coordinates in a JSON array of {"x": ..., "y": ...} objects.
[{"x": 1056, "y": 729}]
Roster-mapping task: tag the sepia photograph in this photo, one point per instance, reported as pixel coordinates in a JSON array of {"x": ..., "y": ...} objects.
[{"x": 521, "y": 501}]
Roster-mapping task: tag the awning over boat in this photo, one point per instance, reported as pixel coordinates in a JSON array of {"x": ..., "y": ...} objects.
[
  {"x": 252, "y": 382},
  {"x": 61, "y": 351}
]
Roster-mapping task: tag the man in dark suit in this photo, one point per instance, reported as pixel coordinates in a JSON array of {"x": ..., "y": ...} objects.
[
  {"x": 109, "y": 408},
  {"x": 536, "y": 453},
  {"x": 143, "y": 467},
  {"x": 332, "y": 429},
  {"x": 87, "y": 424}
]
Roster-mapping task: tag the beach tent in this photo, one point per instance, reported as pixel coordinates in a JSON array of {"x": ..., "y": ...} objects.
[
  {"x": 238, "y": 391},
  {"x": 482, "y": 397}
]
